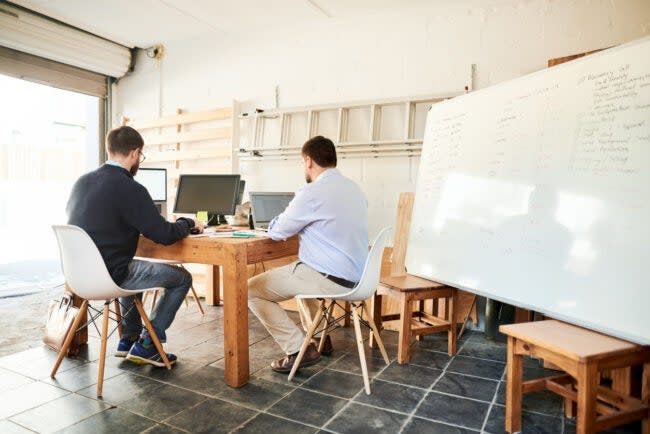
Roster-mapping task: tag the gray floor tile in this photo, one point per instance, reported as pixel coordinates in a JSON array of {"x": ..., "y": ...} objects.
[
  {"x": 410, "y": 375},
  {"x": 357, "y": 418},
  {"x": 162, "y": 428},
  {"x": 8, "y": 427},
  {"x": 28, "y": 396},
  {"x": 453, "y": 410},
  {"x": 630, "y": 428},
  {"x": 478, "y": 368},
  {"x": 60, "y": 413},
  {"x": 544, "y": 401},
  {"x": 110, "y": 421},
  {"x": 430, "y": 359},
  {"x": 122, "y": 388},
  {"x": 257, "y": 393},
  {"x": 11, "y": 380},
  {"x": 37, "y": 362},
  {"x": 470, "y": 387},
  {"x": 335, "y": 383},
  {"x": 206, "y": 380},
  {"x": 423, "y": 426},
  {"x": 205, "y": 352},
  {"x": 180, "y": 369},
  {"x": 351, "y": 363},
  {"x": 163, "y": 402},
  {"x": 392, "y": 396},
  {"x": 213, "y": 416},
  {"x": 265, "y": 424},
  {"x": 484, "y": 351},
  {"x": 531, "y": 423},
  {"x": 433, "y": 342},
  {"x": 308, "y": 407},
  {"x": 82, "y": 376}
]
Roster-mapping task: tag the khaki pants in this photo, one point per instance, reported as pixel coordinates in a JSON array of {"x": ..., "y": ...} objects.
[{"x": 267, "y": 289}]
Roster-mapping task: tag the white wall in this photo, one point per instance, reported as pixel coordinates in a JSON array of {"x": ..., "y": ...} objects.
[{"x": 411, "y": 49}]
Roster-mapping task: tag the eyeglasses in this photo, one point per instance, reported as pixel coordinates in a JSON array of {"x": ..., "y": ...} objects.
[{"x": 142, "y": 157}]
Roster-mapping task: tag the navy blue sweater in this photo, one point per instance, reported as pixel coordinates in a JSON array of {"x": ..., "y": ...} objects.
[{"x": 114, "y": 210}]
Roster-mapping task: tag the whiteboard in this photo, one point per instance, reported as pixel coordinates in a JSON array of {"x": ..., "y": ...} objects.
[{"x": 536, "y": 192}]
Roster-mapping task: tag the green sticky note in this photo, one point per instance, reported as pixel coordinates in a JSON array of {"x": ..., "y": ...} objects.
[{"x": 202, "y": 216}]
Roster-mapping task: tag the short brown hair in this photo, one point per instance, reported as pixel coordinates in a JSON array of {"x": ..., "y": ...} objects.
[
  {"x": 321, "y": 150},
  {"x": 123, "y": 140}
]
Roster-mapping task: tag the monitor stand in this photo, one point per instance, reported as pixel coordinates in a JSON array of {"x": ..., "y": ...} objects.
[{"x": 216, "y": 219}]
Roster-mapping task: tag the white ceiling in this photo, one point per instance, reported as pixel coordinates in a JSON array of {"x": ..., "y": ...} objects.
[{"x": 143, "y": 23}]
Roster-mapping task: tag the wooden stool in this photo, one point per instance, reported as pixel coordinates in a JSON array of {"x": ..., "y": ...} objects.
[
  {"x": 582, "y": 354},
  {"x": 408, "y": 289}
]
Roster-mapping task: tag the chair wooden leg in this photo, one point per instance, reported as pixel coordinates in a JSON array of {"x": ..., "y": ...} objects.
[
  {"x": 153, "y": 300},
  {"x": 375, "y": 308},
  {"x": 81, "y": 315},
  {"x": 375, "y": 332},
  {"x": 152, "y": 332},
  {"x": 346, "y": 320},
  {"x": 118, "y": 316},
  {"x": 362, "y": 354},
  {"x": 404, "y": 345},
  {"x": 197, "y": 299},
  {"x": 451, "y": 334},
  {"x": 514, "y": 377},
  {"x": 312, "y": 329},
  {"x": 587, "y": 389},
  {"x": 102, "y": 350},
  {"x": 328, "y": 319}
]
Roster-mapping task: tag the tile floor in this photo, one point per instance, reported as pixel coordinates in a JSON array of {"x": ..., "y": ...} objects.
[{"x": 434, "y": 394}]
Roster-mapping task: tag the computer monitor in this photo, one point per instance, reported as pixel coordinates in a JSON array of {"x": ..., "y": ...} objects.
[
  {"x": 240, "y": 193},
  {"x": 155, "y": 181},
  {"x": 216, "y": 194},
  {"x": 265, "y": 206}
]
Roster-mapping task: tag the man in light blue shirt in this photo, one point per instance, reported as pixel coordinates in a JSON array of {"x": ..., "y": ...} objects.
[{"x": 330, "y": 216}]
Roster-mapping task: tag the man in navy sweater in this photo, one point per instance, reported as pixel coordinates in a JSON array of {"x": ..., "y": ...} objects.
[{"x": 114, "y": 210}]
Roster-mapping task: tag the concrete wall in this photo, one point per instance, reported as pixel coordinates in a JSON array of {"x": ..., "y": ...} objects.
[{"x": 412, "y": 48}]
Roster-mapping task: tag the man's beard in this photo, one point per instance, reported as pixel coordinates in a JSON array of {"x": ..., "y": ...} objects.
[
  {"x": 134, "y": 168},
  {"x": 308, "y": 179}
]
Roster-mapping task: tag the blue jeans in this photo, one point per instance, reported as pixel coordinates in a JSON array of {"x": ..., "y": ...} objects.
[{"x": 145, "y": 274}]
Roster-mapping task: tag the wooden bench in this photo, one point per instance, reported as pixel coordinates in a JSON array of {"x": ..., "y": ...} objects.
[{"x": 582, "y": 354}]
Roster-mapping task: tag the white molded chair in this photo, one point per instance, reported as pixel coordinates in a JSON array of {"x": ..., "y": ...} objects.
[
  {"x": 356, "y": 298},
  {"x": 87, "y": 277}
]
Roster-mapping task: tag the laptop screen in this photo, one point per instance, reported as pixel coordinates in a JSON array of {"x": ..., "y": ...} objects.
[{"x": 266, "y": 206}]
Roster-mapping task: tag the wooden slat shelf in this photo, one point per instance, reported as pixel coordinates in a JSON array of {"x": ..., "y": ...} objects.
[
  {"x": 188, "y": 155},
  {"x": 189, "y": 136},
  {"x": 185, "y": 118}
]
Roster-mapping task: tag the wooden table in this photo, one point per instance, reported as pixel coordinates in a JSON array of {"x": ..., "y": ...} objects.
[
  {"x": 233, "y": 254},
  {"x": 582, "y": 354}
]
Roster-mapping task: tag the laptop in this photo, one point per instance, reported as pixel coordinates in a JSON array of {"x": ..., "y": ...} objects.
[{"x": 265, "y": 206}]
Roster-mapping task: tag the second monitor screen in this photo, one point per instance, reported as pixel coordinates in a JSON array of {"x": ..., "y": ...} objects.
[{"x": 216, "y": 194}]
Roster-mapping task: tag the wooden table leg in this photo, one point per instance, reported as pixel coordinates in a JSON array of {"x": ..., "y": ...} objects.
[
  {"x": 375, "y": 308},
  {"x": 645, "y": 396},
  {"x": 81, "y": 337},
  {"x": 514, "y": 378},
  {"x": 451, "y": 335},
  {"x": 404, "y": 345},
  {"x": 587, "y": 388},
  {"x": 235, "y": 308},
  {"x": 213, "y": 286}
]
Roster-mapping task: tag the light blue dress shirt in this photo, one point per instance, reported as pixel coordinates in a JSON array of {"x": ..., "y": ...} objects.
[{"x": 331, "y": 217}]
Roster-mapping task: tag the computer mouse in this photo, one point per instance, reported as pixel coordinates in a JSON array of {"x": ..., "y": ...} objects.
[{"x": 194, "y": 231}]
